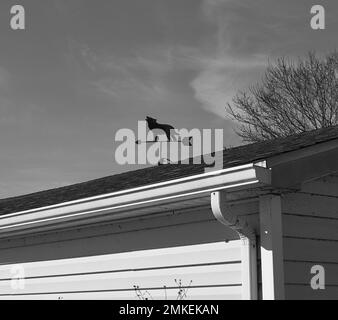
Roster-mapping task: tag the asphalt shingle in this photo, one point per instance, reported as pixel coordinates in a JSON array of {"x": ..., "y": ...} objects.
[{"x": 231, "y": 157}]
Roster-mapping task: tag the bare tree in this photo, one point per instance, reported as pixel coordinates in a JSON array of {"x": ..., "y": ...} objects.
[{"x": 292, "y": 98}]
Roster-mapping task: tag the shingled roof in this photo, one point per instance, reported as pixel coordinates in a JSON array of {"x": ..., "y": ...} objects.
[{"x": 231, "y": 157}]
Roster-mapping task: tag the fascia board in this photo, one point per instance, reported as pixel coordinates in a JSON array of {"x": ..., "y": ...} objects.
[{"x": 194, "y": 186}]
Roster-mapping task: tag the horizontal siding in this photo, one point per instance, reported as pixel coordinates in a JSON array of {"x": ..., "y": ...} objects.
[
  {"x": 310, "y": 204},
  {"x": 310, "y": 227},
  {"x": 207, "y": 266},
  {"x": 172, "y": 219},
  {"x": 159, "y": 221},
  {"x": 304, "y": 292},
  {"x": 310, "y": 237},
  {"x": 209, "y": 276},
  {"x": 187, "y": 255},
  {"x": 146, "y": 252},
  {"x": 245, "y": 208},
  {"x": 226, "y": 293},
  {"x": 316, "y": 250},
  {"x": 328, "y": 185},
  {"x": 152, "y": 238},
  {"x": 297, "y": 272}
]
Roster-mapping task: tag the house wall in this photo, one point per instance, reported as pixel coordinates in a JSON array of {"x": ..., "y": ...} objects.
[
  {"x": 216, "y": 272},
  {"x": 205, "y": 271},
  {"x": 309, "y": 225},
  {"x": 186, "y": 227},
  {"x": 180, "y": 228},
  {"x": 310, "y": 237}
]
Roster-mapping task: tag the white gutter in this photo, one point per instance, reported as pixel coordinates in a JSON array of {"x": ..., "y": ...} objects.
[
  {"x": 223, "y": 214},
  {"x": 108, "y": 205}
]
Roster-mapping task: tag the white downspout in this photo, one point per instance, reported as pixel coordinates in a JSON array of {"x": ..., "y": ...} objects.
[{"x": 221, "y": 211}]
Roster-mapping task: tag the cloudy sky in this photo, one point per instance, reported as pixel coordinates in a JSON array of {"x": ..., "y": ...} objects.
[{"x": 82, "y": 69}]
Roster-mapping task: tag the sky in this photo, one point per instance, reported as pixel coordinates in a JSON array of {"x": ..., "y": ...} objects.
[{"x": 83, "y": 69}]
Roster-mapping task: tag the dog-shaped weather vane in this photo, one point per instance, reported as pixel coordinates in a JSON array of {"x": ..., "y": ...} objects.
[{"x": 169, "y": 131}]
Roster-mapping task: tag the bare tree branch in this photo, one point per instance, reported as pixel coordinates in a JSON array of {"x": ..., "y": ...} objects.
[{"x": 292, "y": 98}]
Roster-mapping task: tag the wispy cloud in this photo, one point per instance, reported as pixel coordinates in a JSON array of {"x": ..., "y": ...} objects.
[
  {"x": 234, "y": 59},
  {"x": 143, "y": 74},
  {"x": 221, "y": 77},
  {"x": 140, "y": 75}
]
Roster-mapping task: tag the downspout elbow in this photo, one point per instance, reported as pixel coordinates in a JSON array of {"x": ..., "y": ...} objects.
[{"x": 221, "y": 211}]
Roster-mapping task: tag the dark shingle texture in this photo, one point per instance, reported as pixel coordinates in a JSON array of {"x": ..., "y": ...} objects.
[{"x": 231, "y": 157}]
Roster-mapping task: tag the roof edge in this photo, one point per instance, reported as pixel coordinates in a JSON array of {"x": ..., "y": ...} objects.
[{"x": 109, "y": 205}]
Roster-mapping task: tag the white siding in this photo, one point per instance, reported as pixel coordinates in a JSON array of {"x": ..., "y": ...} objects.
[
  {"x": 178, "y": 229},
  {"x": 105, "y": 261},
  {"x": 213, "y": 271}
]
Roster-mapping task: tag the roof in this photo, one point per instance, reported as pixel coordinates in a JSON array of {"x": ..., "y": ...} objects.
[{"x": 142, "y": 177}]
